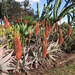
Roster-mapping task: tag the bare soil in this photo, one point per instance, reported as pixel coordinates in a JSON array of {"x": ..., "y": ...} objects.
[{"x": 61, "y": 60}]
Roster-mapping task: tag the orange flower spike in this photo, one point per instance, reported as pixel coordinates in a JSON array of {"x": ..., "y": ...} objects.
[
  {"x": 44, "y": 49},
  {"x": 8, "y": 24},
  {"x": 38, "y": 27},
  {"x": 43, "y": 24},
  {"x": 17, "y": 47},
  {"x": 69, "y": 30},
  {"x": 44, "y": 39},
  {"x": 16, "y": 21},
  {"x": 4, "y": 17},
  {"x": 60, "y": 37},
  {"x": 35, "y": 23},
  {"x": 5, "y": 23},
  {"x": 29, "y": 32},
  {"x": 44, "y": 20},
  {"x": 36, "y": 31},
  {"x": 49, "y": 27},
  {"x": 63, "y": 24},
  {"x": 46, "y": 32},
  {"x": 67, "y": 24},
  {"x": 56, "y": 25},
  {"x": 25, "y": 21},
  {"x": 39, "y": 22}
]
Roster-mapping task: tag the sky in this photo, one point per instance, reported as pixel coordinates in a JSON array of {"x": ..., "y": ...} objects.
[{"x": 41, "y": 3}]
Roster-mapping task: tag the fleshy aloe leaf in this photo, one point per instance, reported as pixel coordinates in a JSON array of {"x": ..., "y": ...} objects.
[
  {"x": 7, "y": 57},
  {"x": 26, "y": 57},
  {"x": 56, "y": 43},
  {"x": 5, "y": 64},
  {"x": 1, "y": 53},
  {"x": 2, "y": 47},
  {"x": 5, "y": 74},
  {"x": 8, "y": 68}
]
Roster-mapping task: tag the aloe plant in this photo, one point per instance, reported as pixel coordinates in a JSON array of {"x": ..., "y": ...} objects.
[
  {"x": 5, "y": 61},
  {"x": 38, "y": 15},
  {"x": 71, "y": 16},
  {"x": 24, "y": 29},
  {"x": 47, "y": 11}
]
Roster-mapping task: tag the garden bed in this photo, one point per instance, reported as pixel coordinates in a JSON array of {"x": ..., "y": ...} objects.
[{"x": 62, "y": 60}]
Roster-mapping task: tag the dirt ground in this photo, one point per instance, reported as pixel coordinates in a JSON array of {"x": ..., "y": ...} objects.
[{"x": 61, "y": 60}]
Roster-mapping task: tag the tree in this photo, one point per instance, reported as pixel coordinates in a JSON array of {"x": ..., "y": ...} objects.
[
  {"x": 55, "y": 9},
  {"x": 4, "y": 8},
  {"x": 26, "y": 6},
  {"x": 13, "y": 11},
  {"x": 0, "y": 10}
]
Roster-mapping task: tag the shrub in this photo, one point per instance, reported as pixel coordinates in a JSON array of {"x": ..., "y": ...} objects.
[{"x": 29, "y": 19}]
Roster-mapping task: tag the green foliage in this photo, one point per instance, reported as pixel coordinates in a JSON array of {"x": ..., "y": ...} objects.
[
  {"x": 14, "y": 10},
  {"x": 30, "y": 53},
  {"x": 68, "y": 42},
  {"x": 4, "y": 8},
  {"x": 23, "y": 29},
  {"x": 65, "y": 70},
  {"x": 29, "y": 19},
  {"x": 20, "y": 33},
  {"x": 49, "y": 9},
  {"x": 71, "y": 16}
]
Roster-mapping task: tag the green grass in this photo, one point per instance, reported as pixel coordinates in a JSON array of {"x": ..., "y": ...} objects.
[{"x": 65, "y": 70}]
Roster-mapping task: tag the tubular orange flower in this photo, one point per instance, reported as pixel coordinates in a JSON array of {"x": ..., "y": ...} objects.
[
  {"x": 5, "y": 23},
  {"x": 68, "y": 24},
  {"x": 44, "y": 20},
  {"x": 4, "y": 17},
  {"x": 8, "y": 24},
  {"x": 17, "y": 47},
  {"x": 25, "y": 21},
  {"x": 63, "y": 24},
  {"x": 36, "y": 31},
  {"x": 46, "y": 32},
  {"x": 49, "y": 27},
  {"x": 16, "y": 21},
  {"x": 39, "y": 22},
  {"x": 43, "y": 24},
  {"x": 60, "y": 37},
  {"x": 44, "y": 39},
  {"x": 56, "y": 26},
  {"x": 29, "y": 32},
  {"x": 44, "y": 50},
  {"x": 69, "y": 30}
]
